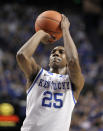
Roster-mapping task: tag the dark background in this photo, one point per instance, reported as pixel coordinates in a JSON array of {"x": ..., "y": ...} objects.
[{"x": 17, "y": 18}]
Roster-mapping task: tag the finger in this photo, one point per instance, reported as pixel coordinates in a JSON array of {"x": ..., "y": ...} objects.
[
  {"x": 53, "y": 37},
  {"x": 66, "y": 18},
  {"x": 63, "y": 16},
  {"x": 48, "y": 36}
]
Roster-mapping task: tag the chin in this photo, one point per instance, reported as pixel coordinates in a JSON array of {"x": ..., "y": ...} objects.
[{"x": 56, "y": 65}]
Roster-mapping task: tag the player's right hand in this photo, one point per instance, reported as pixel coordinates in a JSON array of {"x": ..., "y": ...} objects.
[{"x": 46, "y": 37}]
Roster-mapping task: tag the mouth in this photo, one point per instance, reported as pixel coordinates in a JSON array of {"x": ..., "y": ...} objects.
[{"x": 56, "y": 59}]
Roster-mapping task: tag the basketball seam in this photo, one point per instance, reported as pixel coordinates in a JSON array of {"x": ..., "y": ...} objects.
[
  {"x": 49, "y": 18},
  {"x": 49, "y": 30}
]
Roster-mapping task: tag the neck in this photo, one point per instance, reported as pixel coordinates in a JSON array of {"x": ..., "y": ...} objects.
[{"x": 61, "y": 71}]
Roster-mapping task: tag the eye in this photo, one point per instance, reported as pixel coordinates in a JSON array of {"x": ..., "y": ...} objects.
[
  {"x": 61, "y": 51},
  {"x": 53, "y": 51}
]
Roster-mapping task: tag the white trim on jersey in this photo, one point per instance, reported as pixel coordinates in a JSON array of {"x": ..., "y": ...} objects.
[{"x": 73, "y": 95}]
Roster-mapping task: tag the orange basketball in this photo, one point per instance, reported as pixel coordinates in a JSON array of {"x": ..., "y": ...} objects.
[{"x": 50, "y": 22}]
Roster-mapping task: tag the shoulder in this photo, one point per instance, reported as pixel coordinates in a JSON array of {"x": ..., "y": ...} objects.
[{"x": 33, "y": 77}]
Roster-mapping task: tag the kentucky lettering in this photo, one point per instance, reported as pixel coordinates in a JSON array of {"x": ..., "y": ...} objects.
[{"x": 53, "y": 85}]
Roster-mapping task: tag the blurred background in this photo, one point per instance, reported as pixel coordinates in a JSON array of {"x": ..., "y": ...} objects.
[{"x": 17, "y": 18}]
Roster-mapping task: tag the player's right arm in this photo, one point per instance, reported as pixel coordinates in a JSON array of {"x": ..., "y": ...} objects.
[{"x": 24, "y": 56}]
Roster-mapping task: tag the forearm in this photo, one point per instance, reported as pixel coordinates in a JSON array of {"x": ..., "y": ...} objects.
[
  {"x": 31, "y": 45},
  {"x": 70, "y": 48},
  {"x": 73, "y": 62}
]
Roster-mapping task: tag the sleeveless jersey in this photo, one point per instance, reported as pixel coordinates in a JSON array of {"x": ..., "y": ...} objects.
[{"x": 50, "y": 103}]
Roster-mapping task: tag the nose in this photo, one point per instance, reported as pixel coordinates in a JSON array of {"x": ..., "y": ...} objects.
[{"x": 56, "y": 54}]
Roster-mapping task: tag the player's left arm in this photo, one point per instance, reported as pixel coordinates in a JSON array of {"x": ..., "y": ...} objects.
[{"x": 75, "y": 73}]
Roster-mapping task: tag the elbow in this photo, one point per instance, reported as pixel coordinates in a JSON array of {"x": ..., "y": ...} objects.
[
  {"x": 20, "y": 56},
  {"x": 74, "y": 59}
]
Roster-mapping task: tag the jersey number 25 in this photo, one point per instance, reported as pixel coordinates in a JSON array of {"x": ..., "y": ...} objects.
[{"x": 49, "y": 97}]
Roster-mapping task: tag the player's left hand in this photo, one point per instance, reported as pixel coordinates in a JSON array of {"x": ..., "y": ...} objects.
[{"x": 65, "y": 24}]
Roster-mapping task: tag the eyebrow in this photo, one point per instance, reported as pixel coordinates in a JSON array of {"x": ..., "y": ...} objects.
[
  {"x": 53, "y": 50},
  {"x": 56, "y": 49},
  {"x": 61, "y": 49}
]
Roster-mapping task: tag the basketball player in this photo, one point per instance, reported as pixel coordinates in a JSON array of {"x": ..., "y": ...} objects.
[{"x": 51, "y": 95}]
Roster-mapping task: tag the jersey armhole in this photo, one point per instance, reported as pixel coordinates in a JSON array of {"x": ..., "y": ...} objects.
[{"x": 36, "y": 78}]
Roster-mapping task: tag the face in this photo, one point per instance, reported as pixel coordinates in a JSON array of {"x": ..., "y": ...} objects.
[{"x": 58, "y": 58}]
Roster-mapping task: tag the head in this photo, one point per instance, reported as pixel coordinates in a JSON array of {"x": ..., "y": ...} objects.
[{"x": 58, "y": 58}]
